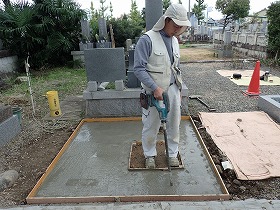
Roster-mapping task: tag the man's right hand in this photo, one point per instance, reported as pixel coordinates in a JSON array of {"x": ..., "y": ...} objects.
[{"x": 158, "y": 93}]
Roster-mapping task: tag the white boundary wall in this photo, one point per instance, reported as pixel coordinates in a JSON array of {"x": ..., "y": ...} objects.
[{"x": 248, "y": 43}]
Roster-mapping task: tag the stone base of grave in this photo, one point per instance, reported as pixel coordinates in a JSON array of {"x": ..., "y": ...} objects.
[{"x": 119, "y": 103}]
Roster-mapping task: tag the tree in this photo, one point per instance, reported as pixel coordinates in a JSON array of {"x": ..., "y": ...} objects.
[
  {"x": 165, "y": 5},
  {"x": 111, "y": 10},
  {"x": 19, "y": 30},
  {"x": 233, "y": 10},
  {"x": 136, "y": 20},
  {"x": 135, "y": 15},
  {"x": 47, "y": 30},
  {"x": 102, "y": 8},
  {"x": 93, "y": 22},
  {"x": 122, "y": 30},
  {"x": 198, "y": 10},
  {"x": 62, "y": 35},
  {"x": 6, "y": 2},
  {"x": 273, "y": 15},
  {"x": 128, "y": 26}
]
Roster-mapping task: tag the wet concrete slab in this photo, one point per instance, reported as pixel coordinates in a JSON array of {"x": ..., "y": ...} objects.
[{"x": 93, "y": 167}]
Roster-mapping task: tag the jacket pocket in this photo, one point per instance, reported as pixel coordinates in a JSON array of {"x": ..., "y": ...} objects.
[{"x": 159, "y": 58}]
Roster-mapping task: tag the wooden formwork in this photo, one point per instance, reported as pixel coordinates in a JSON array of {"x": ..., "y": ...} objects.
[{"x": 32, "y": 198}]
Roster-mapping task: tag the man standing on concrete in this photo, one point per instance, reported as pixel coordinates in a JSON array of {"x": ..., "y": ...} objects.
[{"x": 156, "y": 62}]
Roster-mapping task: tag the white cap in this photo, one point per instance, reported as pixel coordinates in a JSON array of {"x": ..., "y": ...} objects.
[{"x": 178, "y": 14}]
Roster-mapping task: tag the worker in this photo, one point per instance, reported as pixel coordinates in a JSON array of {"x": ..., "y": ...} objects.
[{"x": 156, "y": 65}]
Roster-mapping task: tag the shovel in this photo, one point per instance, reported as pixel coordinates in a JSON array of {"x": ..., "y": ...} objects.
[{"x": 197, "y": 97}]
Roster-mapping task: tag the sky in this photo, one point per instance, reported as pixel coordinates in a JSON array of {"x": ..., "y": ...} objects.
[{"x": 123, "y": 6}]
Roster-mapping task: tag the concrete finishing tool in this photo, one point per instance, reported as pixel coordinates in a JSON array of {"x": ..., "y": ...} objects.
[
  {"x": 197, "y": 97},
  {"x": 163, "y": 109}
]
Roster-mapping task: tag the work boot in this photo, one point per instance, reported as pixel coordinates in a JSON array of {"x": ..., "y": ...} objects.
[
  {"x": 150, "y": 162},
  {"x": 173, "y": 161}
]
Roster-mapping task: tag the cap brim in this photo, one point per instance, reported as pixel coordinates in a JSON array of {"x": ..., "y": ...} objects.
[{"x": 186, "y": 23}]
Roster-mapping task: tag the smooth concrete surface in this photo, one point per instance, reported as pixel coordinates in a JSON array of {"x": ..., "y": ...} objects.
[
  {"x": 5, "y": 112},
  {"x": 255, "y": 204},
  {"x": 271, "y": 105},
  {"x": 96, "y": 164},
  {"x": 9, "y": 129}
]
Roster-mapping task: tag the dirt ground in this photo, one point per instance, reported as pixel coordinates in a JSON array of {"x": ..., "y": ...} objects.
[
  {"x": 31, "y": 152},
  {"x": 196, "y": 53},
  {"x": 137, "y": 158}
]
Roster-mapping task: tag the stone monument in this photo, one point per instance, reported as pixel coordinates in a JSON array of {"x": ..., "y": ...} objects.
[
  {"x": 102, "y": 40},
  {"x": 105, "y": 64},
  {"x": 153, "y": 11}
]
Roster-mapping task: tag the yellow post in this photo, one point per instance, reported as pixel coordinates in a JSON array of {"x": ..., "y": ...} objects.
[{"x": 53, "y": 103}]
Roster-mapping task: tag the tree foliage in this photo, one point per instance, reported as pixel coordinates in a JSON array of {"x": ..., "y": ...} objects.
[
  {"x": 128, "y": 26},
  {"x": 93, "y": 22},
  {"x": 111, "y": 9},
  {"x": 233, "y": 9},
  {"x": 198, "y": 10},
  {"x": 6, "y": 2},
  {"x": 135, "y": 15},
  {"x": 165, "y": 5},
  {"x": 103, "y": 8},
  {"x": 273, "y": 15},
  {"x": 47, "y": 30}
]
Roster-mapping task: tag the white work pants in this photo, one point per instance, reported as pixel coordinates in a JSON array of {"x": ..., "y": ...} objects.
[{"x": 151, "y": 125}]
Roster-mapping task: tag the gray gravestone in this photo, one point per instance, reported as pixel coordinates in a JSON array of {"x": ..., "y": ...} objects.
[
  {"x": 85, "y": 30},
  {"x": 227, "y": 38},
  {"x": 103, "y": 44},
  {"x": 237, "y": 26},
  {"x": 264, "y": 27},
  {"x": 227, "y": 47},
  {"x": 128, "y": 44},
  {"x": 197, "y": 30},
  {"x": 102, "y": 29},
  {"x": 255, "y": 27},
  {"x": 194, "y": 21},
  {"x": 153, "y": 11},
  {"x": 202, "y": 28},
  {"x": 105, "y": 64},
  {"x": 132, "y": 81},
  {"x": 250, "y": 28},
  {"x": 210, "y": 33},
  {"x": 227, "y": 28}
]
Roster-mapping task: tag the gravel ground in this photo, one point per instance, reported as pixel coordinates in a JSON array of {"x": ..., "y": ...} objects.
[{"x": 219, "y": 92}]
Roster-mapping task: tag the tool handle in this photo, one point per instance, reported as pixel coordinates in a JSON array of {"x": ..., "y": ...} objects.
[
  {"x": 166, "y": 152},
  {"x": 162, "y": 110},
  {"x": 166, "y": 101}
]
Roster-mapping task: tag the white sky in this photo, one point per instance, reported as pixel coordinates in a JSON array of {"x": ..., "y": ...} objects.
[{"x": 123, "y": 6}]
